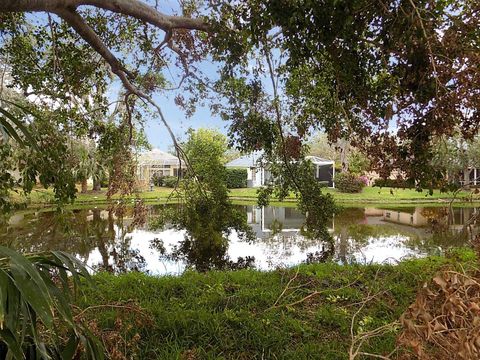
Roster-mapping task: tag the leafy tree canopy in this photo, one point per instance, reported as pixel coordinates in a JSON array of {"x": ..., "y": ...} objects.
[
  {"x": 386, "y": 75},
  {"x": 206, "y": 213},
  {"x": 454, "y": 155}
]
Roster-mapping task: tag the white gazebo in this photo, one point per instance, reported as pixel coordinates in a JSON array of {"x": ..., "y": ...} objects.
[{"x": 158, "y": 162}]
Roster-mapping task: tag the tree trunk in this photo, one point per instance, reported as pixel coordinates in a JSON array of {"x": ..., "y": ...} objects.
[
  {"x": 84, "y": 186},
  {"x": 343, "y": 145},
  {"x": 97, "y": 185},
  {"x": 137, "y": 9}
]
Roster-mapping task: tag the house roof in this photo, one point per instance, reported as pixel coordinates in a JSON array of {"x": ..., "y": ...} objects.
[
  {"x": 246, "y": 161},
  {"x": 252, "y": 160},
  {"x": 319, "y": 161},
  {"x": 157, "y": 157}
]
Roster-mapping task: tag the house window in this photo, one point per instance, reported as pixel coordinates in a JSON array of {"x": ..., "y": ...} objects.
[{"x": 160, "y": 171}]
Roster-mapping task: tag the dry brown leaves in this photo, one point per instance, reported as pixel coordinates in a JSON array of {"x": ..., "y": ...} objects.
[
  {"x": 444, "y": 320},
  {"x": 122, "y": 339}
]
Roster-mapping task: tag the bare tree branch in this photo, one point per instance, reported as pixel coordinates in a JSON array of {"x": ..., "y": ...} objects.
[
  {"x": 134, "y": 8},
  {"x": 89, "y": 35}
]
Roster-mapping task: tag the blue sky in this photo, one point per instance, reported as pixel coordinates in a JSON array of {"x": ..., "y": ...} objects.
[{"x": 156, "y": 133}]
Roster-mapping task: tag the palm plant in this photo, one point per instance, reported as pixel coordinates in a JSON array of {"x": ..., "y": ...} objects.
[
  {"x": 13, "y": 127},
  {"x": 88, "y": 164},
  {"x": 36, "y": 320}
]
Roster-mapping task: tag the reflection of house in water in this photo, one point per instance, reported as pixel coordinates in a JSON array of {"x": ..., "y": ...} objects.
[
  {"x": 455, "y": 219},
  {"x": 373, "y": 212},
  {"x": 463, "y": 217},
  {"x": 267, "y": 220},
  {"x": 414, "y": 218}
]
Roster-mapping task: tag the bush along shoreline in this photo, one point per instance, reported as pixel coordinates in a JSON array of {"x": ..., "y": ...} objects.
[{"x": 315, "y": 311}]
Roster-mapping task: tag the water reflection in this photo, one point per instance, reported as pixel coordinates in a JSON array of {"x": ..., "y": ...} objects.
[
  {"x": 96, "y": 236},
  {"x": 113, "y": 243}
]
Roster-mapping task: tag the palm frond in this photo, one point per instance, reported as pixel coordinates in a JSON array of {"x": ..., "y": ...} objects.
[
  {"x": 15, "y": 127},
  {"x": 36, "y": 291}
]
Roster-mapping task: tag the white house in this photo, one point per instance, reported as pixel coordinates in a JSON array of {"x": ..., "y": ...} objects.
[
  {"x": 285, "y": 220},
  {"x": 157, "y": 162},
  {"x": 470, "y": 176},
  {"x": 258, "y": 174}
]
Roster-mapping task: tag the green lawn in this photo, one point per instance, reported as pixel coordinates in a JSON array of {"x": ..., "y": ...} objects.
[
  {"x": 303, "y": 313},
  {"x": 368, "y": 195}
]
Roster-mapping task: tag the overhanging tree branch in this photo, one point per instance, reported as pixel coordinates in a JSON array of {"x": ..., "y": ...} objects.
[
  {"x": 134, "y": 8},
  {"x": 89, "y": 35},
  {"x": 66, "y": 9}
]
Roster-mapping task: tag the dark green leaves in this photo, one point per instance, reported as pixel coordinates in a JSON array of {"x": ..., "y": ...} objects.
[
  {"x": 369, "y": 72},
  {"x": 34, "y": 308},
  {"x": 20, "y": 129}
]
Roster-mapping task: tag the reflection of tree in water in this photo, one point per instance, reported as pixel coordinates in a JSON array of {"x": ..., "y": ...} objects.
[
  {"x": 285, "y": 231},
  {"x": 345, "y": 234},
  {"x": 439, "y": 219},
  {"x": 352, "y": 234},
  {"x": 283, "y": 245},
  {"x": 78, "y": 232},
  {"x": 345, "y": 237},
  {"x": 448, "y": 228},
  {"x": 205, "y": 245},
  {"x": 207, "y": 228},
  {"x": 204, "y": 253},
  {"x": 42, "y": 231},
  {"x": 114, "y": 244}
]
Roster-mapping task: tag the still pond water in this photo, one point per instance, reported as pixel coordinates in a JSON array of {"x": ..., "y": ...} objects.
[{"x": 103, "y": 240}]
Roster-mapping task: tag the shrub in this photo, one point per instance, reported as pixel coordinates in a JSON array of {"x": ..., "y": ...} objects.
[
  {"x": 236, "y": 178},
  {"x": 324, "y": 184},
  {"x": 170, "y": 181},
  {"x": 348, "y": 183},
  {"x": 364, "y": 179},
  {"x": 157, "y": 179}
]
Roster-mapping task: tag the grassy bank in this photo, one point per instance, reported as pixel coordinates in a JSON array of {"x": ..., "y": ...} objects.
[
  {"x": 300, "y": 313},
  {"x": 373, "y": 195},
  {"x": 369, "y": 195}
]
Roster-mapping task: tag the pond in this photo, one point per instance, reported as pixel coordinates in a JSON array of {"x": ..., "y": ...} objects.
[{"x": 367, "y": 234}]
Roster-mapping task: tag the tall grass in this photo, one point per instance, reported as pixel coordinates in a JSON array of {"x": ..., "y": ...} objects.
[{"x": 300, "y": 313}]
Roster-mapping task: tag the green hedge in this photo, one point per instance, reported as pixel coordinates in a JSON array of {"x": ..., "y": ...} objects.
[
  {"x": 349, "y": 183},
  {"x": 236, "y": 178},
  {"x": 157, "y": 179},
  {"x": 170, "y": 181},
  {"x": 167, "y": 181}
]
